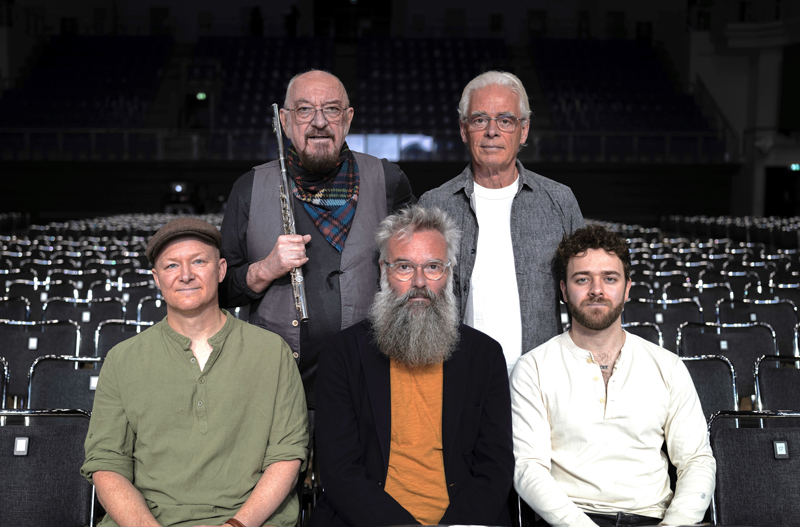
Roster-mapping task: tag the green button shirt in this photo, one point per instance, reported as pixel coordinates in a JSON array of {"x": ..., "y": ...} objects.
[{"x": 195, "y": 443}]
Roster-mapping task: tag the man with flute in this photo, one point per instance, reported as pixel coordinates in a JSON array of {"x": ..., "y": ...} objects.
[{"x": 340, "y": 198}]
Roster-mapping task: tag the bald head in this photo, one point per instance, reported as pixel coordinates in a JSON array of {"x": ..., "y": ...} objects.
[{"x": 314, "y": 77}]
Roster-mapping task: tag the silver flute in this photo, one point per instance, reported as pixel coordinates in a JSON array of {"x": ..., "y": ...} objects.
[{"x": 287, "y": 212}]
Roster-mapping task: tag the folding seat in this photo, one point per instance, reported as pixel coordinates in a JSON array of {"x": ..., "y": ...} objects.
[
  {"x": 742, "y": 344},
  {"x": 706, "y": 294},
  {"x": 781, "y": 315},
  {"x": 739, "y": 282},
  {"x": 756, "y": 477},
  {"x": 648, "y": 331},
  {"x": 659, "y": 279},
  {"x": 640, "y": 290},
  {"x": 88, "y": 313},
  {"x": 114, "y": 267},
  {"x": 41, "y": 483},
  {"x": 714, "y": 379},
  {"x": 81, "y": 278},
  {"x": 15, "y": 308},
  {"x": 777, "y": 381},
  {"x": 693, "y": 269},
  {"x": 790, "y": 292},
  {"x": 59, "y": 381},
  {"x": 22, "y": 342},
  {"x": 109, "y": 333},
  {"x": 666, "y": 314},
  {"x": 38, "y": 292}
]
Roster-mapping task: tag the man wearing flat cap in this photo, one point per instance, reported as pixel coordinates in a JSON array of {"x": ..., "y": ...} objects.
[{"x": 201, "y": 419}]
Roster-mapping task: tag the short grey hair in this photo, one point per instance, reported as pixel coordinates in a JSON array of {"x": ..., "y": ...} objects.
[
  {"x": 291, "y": 85},
  {"x": 495, "y": 78},
  {"x": 413, "y": 219}
]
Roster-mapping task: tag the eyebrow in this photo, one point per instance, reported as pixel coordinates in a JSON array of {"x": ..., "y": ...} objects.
[
  {"x": 604, "y": 273},
  {"x": 327, "y": 103}
]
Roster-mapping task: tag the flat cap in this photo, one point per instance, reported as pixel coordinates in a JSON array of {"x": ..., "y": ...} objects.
[{"x": 182, "y": 227}]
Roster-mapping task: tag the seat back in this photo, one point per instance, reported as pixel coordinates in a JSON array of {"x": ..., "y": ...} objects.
[
  {"x": 756, "y": 484},
  {"x": 151, "y": 309},
  {"x": 44, "y": 486},
  {"x": 648, "y": 331},
  {"x": 742, "y": 344},
  {"x": 57, "y": 382},
  {"x": 706, "y": 294},
  {"x": 111, "y": 332},
  {"x": 666, "y": 314},
  {"x": 88, "y": 313},
  {"x": 16, "y": 308},
  {"x": 715, "y": 382},
  {"x": 21, "y": 343},
  {"x": 640, "y": 290},
  {"x": 781, "y": 315},
  {"x": 777, "y": 383}
]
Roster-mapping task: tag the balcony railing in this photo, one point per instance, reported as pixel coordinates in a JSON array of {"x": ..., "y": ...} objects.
[{"x": 247, "y": 144}]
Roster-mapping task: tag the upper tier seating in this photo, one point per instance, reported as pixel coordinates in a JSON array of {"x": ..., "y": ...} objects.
[{"x": 89, "y": 81}]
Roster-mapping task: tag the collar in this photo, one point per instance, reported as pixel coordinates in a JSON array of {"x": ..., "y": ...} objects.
[
  {"x": 467, "y": 184},
  {"x": 186, "y": 343},
  {"x": 583, "y": 354}
]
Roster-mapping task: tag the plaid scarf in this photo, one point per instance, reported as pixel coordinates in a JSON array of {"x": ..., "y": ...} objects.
[{"x": 331, "y": 201}]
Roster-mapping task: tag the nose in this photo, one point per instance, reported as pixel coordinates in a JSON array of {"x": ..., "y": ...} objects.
[
  {"x": 319, "y": 120},
  {"x": 596, "y": 288},
  {"x": 187, "y": 274},
  {"x": 419, "y": 280},
  {"x": 491, "y": 129}
]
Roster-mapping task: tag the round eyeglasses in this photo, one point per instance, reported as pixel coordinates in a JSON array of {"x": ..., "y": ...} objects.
[
  {"x": 404, "y": 270},
  {"x": 305, "y": 114},
  {"x": 505, "y": 122}
]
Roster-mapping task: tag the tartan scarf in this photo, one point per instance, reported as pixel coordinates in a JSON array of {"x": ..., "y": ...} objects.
[{"x": 330, "y": 201}]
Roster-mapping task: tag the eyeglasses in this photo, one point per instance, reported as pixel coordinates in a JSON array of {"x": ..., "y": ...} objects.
[
  {"x": 403, "y": 270},
  {"x": 506, "y": 123},
  {"x": 306, "y": 114}
]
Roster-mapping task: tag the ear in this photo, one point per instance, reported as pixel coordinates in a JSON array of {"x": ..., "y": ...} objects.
[
  {"x": 563, "y": 291},
  {"x": 223, "y": 268},
  {"x": 347, "y": 120},
  {"x": 525, "y": 128},
  {"x": 155, "y": 277},
  {"x": 627, "y": 290}
]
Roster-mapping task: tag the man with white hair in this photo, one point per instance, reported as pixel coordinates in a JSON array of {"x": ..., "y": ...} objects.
[
  {"x": 340, "y": 198},
  {"x": 512, "y": 220},
  {"x": 413, "y": 408}
]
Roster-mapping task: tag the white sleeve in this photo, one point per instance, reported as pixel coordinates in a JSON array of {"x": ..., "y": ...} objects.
[
  {"x": 688, "y": 448},
  {"x": 532, "y": 447}
]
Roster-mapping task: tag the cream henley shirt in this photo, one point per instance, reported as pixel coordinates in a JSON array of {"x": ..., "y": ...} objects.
[{"x": 579, "y": 450}]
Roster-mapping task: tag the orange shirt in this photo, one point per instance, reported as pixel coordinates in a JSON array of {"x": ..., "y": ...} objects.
[{"x": 416, "y": 463}]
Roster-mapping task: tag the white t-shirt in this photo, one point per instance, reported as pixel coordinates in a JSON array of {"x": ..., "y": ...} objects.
[{"x": 493, "y": 302}]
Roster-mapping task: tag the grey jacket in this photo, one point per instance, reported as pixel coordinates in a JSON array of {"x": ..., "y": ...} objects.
[{"x": 542, "y": 213}]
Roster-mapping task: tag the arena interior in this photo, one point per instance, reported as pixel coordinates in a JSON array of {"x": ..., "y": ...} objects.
[{"x": 676, "y": 123}]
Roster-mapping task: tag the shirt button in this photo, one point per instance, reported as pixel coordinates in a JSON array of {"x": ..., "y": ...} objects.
[
  {"x": 295, "y": 323},
  {"x": 588, "y": 361},
  {"x": 602, "y": 400},
  {"x": 193, "y": 360},
  {"x": 203, "y": 381},
  {"x": 200, "y": 403},
  {"x": 596, "y": 378},
  {"x": 295, "y": 354},
  {"x": 472, "y": 251}
]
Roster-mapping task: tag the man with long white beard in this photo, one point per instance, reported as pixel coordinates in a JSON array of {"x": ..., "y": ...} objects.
[
  {"x": 592, "y": 408},
  {"x": 413, "y": 409}
]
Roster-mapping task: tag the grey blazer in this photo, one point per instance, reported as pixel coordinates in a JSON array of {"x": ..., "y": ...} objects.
[{"x": 542, "y": 213}]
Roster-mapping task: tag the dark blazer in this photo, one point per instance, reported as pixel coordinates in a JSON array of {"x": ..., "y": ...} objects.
[{"x": 353, "y": 427}]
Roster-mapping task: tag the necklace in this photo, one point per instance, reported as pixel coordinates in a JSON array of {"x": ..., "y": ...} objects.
[{"x": 603, "y": 366}]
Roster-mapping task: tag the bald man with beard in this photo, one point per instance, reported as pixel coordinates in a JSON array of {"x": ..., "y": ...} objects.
[
  {"x": 340, "y": 197},
  {"x": 413, "y": 415}
]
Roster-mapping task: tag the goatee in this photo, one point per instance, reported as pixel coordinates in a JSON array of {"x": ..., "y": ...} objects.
[{"x": 415, "y": 332}]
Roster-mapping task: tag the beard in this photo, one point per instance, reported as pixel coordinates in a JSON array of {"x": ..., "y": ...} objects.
[
  {"x": 415, "y": 333},
  {"x": 323, "y": 159},
  {"x": 597, "y": 322}
]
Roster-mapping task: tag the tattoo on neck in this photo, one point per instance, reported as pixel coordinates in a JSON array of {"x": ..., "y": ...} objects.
[{"x": 603, "y": 366}]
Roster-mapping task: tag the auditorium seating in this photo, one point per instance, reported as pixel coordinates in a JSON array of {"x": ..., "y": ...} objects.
[
  {"x": 777, "y": 383},
  {"x": 756, "y": 477},
  {"x": 666, "y": 314},
  {"x": 41, "y": 482},
  {"x": 413, "y": 86},
  {"x": 715, "y": 381},
  {"x": 88, "y": 81},
  {"x": 647, "y": 330},
  {"x": 111, "y": 332}
]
